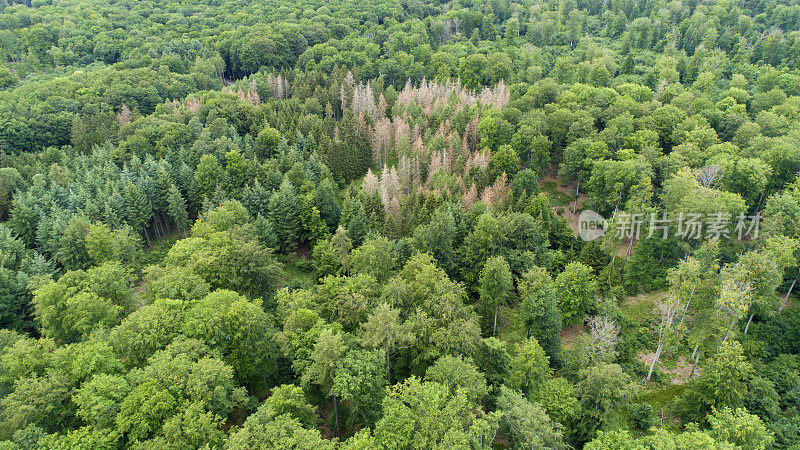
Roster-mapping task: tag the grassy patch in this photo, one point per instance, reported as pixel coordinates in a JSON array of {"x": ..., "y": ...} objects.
[
  {"x": 640, "y": 308},
  {"x": 296, "y": 272},
  {"x": 662, "y": 399},
  {"x": 572, "y": 334},
  {"x": 156, "y": 253},
  {"x": 556, "y": 197},
  {"x": 510, "y": 331},
  {"x": 663, "y": 396}
]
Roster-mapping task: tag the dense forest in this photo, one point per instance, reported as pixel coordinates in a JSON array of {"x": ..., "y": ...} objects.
[{"x": 419, "y": 224}]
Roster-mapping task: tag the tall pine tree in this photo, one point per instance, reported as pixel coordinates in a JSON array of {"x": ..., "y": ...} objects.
[
  {"x": 357, "y": 226},
  {"x": 285, "y": 215},
  {"x": 138, "y": 210},
  {"x": 176, "y": 207}
]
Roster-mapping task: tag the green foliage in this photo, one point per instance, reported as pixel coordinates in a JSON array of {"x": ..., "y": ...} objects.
[
  {"x": 527, "y": 423},
  {"x": 177, "y": 209},
  {"x": 362, "y": 440},
  {"x": 288, "y": 400},
  {"x": 73, "y": 253},
  {"x": 176, "y": 283},
  {"x": 419, "y": 135},
  {"x": 722, "y": 383},
  {"x": 239, "y": 329},
  {"x": 361, "y": 380},
  {"x": 495, "y": 289},
  {"x": 424, "y": 413},
  {"x": 144, "y": 410},
  {"x": 457, "y": 374},
  {"x": 225, "y": 252},
  {"x": 325, "y": 259},
  {"x": 435, "y": 307},
  {"x": 329, "y": 348},
  {"x": 557, "y": 397},
  {"x": 608, "y": 440},
  {"x": 183, "y": 388},
  {"x": 612, "y": 183},
  {"x": 575, "y": 291},
  {"x": 82, "y": 438},
  {"x": 138, "y": 209},
  {"x": 99, "y": 399},
  {"x": 374, "y": 257},
  {"x": 285, "y": 215},
  {"x": 281, "y": 432},
  {"x": 739, "y": 427},
  {"x": 384, "y": 330},
  {"x": 347, "y": 300},
  {"x": 604, "y": 391},
  {"x": 103, "y": 244},
  {"x": 478, "y": 246},
  {"x": 529, "y": 367},
  {"x": 505, "y": 159},
  {"x": 539, "y": 312},
  {"x": 82, "y": 302},
  {"x": 39, "y": 400},
  {"x": 17, "y": 266},
  {"x": 145, "y": 331},
  {"x": 643, "y": 416}
]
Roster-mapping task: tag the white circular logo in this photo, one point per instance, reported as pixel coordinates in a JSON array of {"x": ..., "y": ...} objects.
[{"x": 591, "y": 225}]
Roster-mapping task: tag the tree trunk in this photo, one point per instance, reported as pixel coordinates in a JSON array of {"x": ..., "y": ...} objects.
[
  {"x": 655, "y": 359},
  {"x": 686, "y": 308},
  {"x": 164, "y": 223},
  {"x": 336, "y": 414},
  {"x": 727, "y": 333},
  {"x": 577, "y": 194},
  {"x": 494, "y": 327},
  {"x": 748, "y": 322},
  {"x": 666, "y": 323},
  {"x": 147, "y": 236},
  {"x": 630, "y": 246},
  {"x": 785, "y": 299},
  {"x": 388, "y": 370},
  {"x": 694, "y": 366},
  {"x": 157, "y": 227}
]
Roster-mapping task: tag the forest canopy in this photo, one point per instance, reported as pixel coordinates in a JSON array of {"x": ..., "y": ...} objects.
[{"x": 418, "y": 224}]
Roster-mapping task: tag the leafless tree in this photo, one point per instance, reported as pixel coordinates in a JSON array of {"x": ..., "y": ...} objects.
[
  {"x": 708, "y": 176},
  {"x": 124, "y": 115},
  {"x": 601, "y": 345},
  {"x": 470, "y": 197},
  {"x": 390, "y": 186},
  {"x": 371, "y": 183},
  {"x": 406, "y": 172}
]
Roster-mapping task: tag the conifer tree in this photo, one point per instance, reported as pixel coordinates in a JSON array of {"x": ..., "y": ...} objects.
[
  {"x": 138, "y": 210},
  {"x": 325, "y": 201},
  {"x": 177, "y": 209},
  {"x": 342, "y": 245},
  {"x": 265, "y": 232},
  {"x": 357, "y": 227},
  {"x": 284, "y": 214}
]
